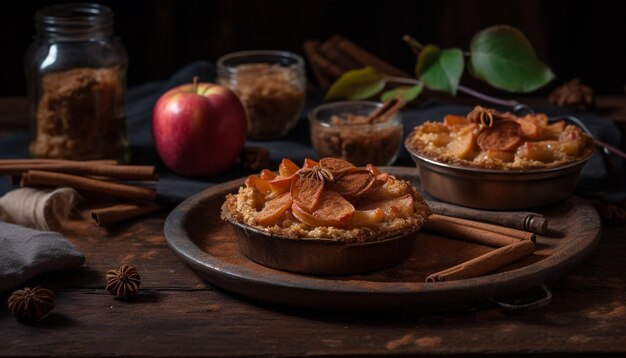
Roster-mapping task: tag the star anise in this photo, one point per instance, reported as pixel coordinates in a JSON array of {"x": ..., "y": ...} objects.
[
  {"x": 123, "y": 283},
  {"x": 31, "y": 305},
  {"x": 484, "y": 116},
  {"x": 317, "y": 172},
  {"x": 574, "y": 94}
]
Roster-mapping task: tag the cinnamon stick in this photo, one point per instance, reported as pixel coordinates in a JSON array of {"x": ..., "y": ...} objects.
[
  {"x": 128, "y": 172},
  {"x": 386, "y": 111},
  {"x": 330, "y": 50},
  {"x": 527, "y": 221},
  {"x": 324, "y": 70},
  {"x": 519, "y": 234},
  {"x": 54, "y": 161},
  {"x": 367, "y": 59},
  {"x": 43, "y": 178},
  {"x": 121, "y": 212},
  {"x": 310, "y": 49},
  {"x": 480, "y": 236},
  {"x": 486, "y": 263}
]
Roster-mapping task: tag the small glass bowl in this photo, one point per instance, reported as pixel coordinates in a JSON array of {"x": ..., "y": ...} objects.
[
  {"x": 270, "y": 84},
  {"x": 361, "y": 144}
]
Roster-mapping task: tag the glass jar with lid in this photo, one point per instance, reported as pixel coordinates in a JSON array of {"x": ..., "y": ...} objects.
[{"x": 76, "y": 73}]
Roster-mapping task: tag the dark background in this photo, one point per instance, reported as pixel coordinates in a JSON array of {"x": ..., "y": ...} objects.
[{"x": 577, "y": 39}]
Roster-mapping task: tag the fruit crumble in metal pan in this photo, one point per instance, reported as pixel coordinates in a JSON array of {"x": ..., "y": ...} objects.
[
  {"x": 329, "y": 199},
  {"x": 489, "y": 139}
]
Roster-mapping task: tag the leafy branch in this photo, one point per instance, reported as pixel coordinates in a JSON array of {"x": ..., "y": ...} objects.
[{"x": 500, "y": 56}]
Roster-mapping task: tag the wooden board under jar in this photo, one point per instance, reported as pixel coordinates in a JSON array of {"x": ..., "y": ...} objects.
[{"x": 201, "y": 239}]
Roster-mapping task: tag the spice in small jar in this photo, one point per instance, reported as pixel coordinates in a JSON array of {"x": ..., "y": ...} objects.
[
  {"x": 345, "y": 130},
  {"x": 271, "y": 86},
  {"x": 76, "y": 71}
]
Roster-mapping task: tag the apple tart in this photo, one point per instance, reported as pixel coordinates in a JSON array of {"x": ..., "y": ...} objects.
[
  {"x": 329, "y": 199},
  {"x": 489, "y": 139}
]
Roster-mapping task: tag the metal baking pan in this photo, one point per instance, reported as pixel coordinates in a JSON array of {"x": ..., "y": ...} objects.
[
  {"x": 322, "y": 256},
  {"x": 497, "y": 189}
]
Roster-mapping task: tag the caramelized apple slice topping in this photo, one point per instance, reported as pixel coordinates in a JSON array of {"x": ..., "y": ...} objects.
[
  {"x": 441, "y": 139},
  {"x": 310, "y": 163},
  {"x": 281, "y": 184},
  {"x": 502, "y": 135},
  {"x": 463, "y": 129},
  {"x": 287, "y": 168},
  {"x": 336, "y": 166},
  {"x": 531, "y": 128},
  {"x": 452, "y": 120},
  {"x": 462, "y": 146},
  {"x": 359, "y": 219},
  {"x": 570, "y": 133},
  {"x": 332, "y": 206},
  {"x": 506, "y": 157},
  {"x": 372, "y": 169},
  {"x": 258, "y": 184},
  {"x": 392, "y": 208},
  {"x": 309, "y": 219},
  {"x": 434, "y": 127},
  {"x": 573, "y": 147},
  {"x": 267, "y": 174},
  {"x": 306, "y": 192},
  {"x": 539, "y": 151},
  {"x": 273, "y": 209},
  {"x": 332, "y": 210},
  {"x": 552, "y": 131},
  {"x": 366, "y": 218},
  {"x": 354, "y": 183},
  {"x": 381, "y": 177}
]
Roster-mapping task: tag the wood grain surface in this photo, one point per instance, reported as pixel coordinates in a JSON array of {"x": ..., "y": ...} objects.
[{"x": 178, "y": 314}]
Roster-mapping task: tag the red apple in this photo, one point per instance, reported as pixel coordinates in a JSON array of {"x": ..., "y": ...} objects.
[{"x": 199, "y": 129}]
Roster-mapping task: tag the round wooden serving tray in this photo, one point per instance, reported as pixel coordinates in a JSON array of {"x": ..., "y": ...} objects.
[{"x": 201, "y": 239}]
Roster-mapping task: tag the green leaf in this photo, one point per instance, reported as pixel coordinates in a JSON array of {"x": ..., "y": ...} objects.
[
  {"x": 357, "y": 84},
  {"x": 405, "y": 93},
  {"x": 503, "y": 57},
  {"x": 440, "y": 69}
]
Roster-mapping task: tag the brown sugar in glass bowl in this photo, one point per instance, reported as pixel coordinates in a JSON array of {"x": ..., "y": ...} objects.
[
  {"x": 340, "y": 129},
  {"x": 76, "y": 71},
  {"x": 326, "y": 217},
  {"x": 499, "y": 161},
  {"x": 271, "y": 86}
]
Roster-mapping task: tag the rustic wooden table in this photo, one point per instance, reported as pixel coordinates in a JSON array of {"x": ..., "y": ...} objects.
[{"x": 179, "y": 314}]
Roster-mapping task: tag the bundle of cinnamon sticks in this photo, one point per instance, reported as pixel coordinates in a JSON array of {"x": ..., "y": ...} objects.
[
  {"x": 130, "y": 187},
  {"x": 511, "y": 245},
  {"x": 332, "y": 58}
]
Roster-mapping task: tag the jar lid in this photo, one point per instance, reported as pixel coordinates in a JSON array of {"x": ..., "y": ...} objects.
[{"x": 74, "y": 21}]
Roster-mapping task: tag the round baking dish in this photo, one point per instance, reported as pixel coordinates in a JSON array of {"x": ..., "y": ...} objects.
[
  {"x": 496, "y": 189},
  {"x": 322, "y": 256}
]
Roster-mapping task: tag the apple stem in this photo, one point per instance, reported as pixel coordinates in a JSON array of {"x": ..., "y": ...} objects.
[{"x": 195, "y": 84}]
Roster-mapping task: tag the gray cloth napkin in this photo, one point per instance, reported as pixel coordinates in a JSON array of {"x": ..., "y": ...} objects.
[{"x": 25, "y": 253}]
